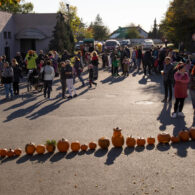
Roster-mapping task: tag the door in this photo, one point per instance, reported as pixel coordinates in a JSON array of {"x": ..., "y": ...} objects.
[
  {"x": 7, "y": 53},
  {"x": 27, "y": 44}
]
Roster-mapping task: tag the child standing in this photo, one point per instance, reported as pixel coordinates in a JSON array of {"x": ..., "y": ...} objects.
[
  {"x": 91, "y": 75},
  {"x": 115, "y": 63},
  {"x": 69, "y": 79},
  {"x": 181, "y": 85},
  {"x": 17, "y": 76},
  {"x": 126, "y": 63}
]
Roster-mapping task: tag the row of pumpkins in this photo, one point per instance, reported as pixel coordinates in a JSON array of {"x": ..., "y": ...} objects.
[{"x": 63, "y": 145}]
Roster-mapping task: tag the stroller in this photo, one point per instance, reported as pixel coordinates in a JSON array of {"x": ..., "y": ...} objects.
[{"x": 34, "y": 80}]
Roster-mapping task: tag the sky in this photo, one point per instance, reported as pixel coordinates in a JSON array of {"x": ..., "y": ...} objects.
[{"x": 114, "y": 13}]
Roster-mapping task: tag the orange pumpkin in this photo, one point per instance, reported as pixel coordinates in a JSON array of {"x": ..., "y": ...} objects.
[
  {"x": 151, "y": 140},
  {"x": 63, "y": 145},
  {"x": 50, "y": 148},
  {"x": 184, "y": 135},
  {"x": 117, "y": 138},
  {"x": 192, "y": 133},
  {"x": 164, "y": 138},
  {"x": 3, "y": 152},
  {"x": 40, "y": 149},
  {"x": 130, "y": 141},
  {"x": 92, "y": 145},
  {"x": 18, "y": 151},
  {"x": 75, "y": 146},
  {"x": 104, "y": 143},
  {"x": 141, "y": 141},
  {"x": 175, "y": 139},
  {"x": 30, "y": 148},
  {"x": 84, "y": 147},
  {"x": 10, "y": 153}
]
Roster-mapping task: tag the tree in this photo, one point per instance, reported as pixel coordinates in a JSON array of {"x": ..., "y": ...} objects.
[
  {"x": 100, "y": 32},
  {"x": 132, "y": 33},
  {"x": 179, "y": 22},
  {"x": 71, "y": 12},
  {"x": 62, "y": 35},
  {"x": 16, "y": 6}
]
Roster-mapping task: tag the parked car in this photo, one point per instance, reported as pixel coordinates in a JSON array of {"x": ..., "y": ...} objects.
[
  {"x": 111, "y": 45},
  {"x": 126, "y": 42},
  {"x": 147, "y": 44}
]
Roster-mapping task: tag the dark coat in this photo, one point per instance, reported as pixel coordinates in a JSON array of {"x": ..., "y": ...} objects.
[{"x": 17, "y": 73}]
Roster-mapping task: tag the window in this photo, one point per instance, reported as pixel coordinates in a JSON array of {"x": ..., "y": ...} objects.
[
  {"x": 5, "y": 35},
  {"x": 9, "y": 35}
]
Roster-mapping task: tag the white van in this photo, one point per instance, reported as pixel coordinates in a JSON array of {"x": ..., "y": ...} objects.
[{"x": 147, "y": 44}]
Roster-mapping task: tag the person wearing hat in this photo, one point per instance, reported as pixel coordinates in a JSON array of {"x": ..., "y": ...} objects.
[
  {"x": 167, "y": 74},
  {"x": 180, "y": 90}
]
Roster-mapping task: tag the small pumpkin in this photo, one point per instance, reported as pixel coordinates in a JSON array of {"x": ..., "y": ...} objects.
[
  {"x": 151, "y": 140},
  {"x": 30, "y": 148},
  {"x": 75, "y": 146},
  {"x": 104, "y": 142},
  {"x": 175, "y": 139},
  {"x": 192, "y": 133},
  {"x": 184, "y": 135},
  {"x": 63, "y": 145},
  {"x": 51, "y": 145},
  {"x": 164, "y": 138},
  {"x": 92, "y": 145},
  {"x": 117, "y": 138},
  {"x": 141, "y": 141},
  {"x": 84, "y": 147},
  {"x": 18, "y": 151},
  {"x": 40, "y": 149},
  {"x": 10, "y": 153},
  {"x": 3, "y": 152},
  {"x": 130, "y": 141}
]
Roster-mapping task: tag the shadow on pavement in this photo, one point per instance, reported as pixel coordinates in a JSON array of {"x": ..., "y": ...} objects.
[
  {"x": 139, "y": 148},
  {"x": 7, "y": 159},
  {"x": 150, "y": 147},
  {"x": 112, "y": 155},
  {"x": 111, "y": 80},
  {"x": 71, "y": 155},
  {"x": 89, "y": 152},
  {"x": 101, "y": 152},
  {"x": 129, "y": 150},
  {"x": 41, "y": 158},
  {"x": 23, "y": 159},
  {"x": 57, "y": 156},
  {"x": 163, "y": 147}
]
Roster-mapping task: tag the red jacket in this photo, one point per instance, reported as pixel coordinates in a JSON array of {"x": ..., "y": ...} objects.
[{"x": 181, "y": 84}]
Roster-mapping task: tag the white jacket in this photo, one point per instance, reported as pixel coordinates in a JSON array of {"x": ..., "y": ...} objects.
[{"x": 49, "y": 73}]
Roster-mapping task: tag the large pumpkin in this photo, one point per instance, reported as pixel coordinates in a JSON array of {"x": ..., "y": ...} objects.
[
  {"x": 92, "y": 145},
  {"x": 18, "y": 151},
  {"x": 192, "y": 133},
  {"x": 104, "y": 143},
  {"x": 75, "y": 146},
  {"x": 84, "y": 147},
  {"x": 175, "y": 139},
  {"x": 3, "y": 152},
  {"x": 151, "y": 140},
  {"x": 30, "y": 148},
  {"x": 40, "y": 149},
  {"x": 141, "y": 141},
  {"x": 164, "y": 138},
  {"x": 184, "y": 135},
  {"x": 10, "y": 153},
  {"x": 130, "y": 141},
  {"x": 117, "y": 138},
  {"x": 50, "y": 148},
  {"x": 63, "y": 145}
]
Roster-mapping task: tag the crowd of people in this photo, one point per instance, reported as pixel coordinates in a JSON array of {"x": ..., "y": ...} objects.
[{"x": 177, "y": 69}]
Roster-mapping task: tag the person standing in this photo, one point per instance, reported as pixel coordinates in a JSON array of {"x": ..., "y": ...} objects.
[
  {"x": 30, "y": 59},
  {"x": 63, "y": 79},
  {"x": 147, "y": 61},
  {"x": 78, "y": 70},
  {"x": 134, "y": 56},
  {"x": 115, "y": 63},
  {"x": 95, "y": 63},
  {"x": 91, "y": 77},
  {"x": 167, "y": 74},
  {"x": 49, "y": 75},
  {"x": 180, "y": 89},
  {"x": 139, "y": 58},
  {"x": 69, "y": 79},
  {"x": 192, "y": 87},
  {"x": 7, "y": 79},
  {"x": 17, "y": 76}
]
